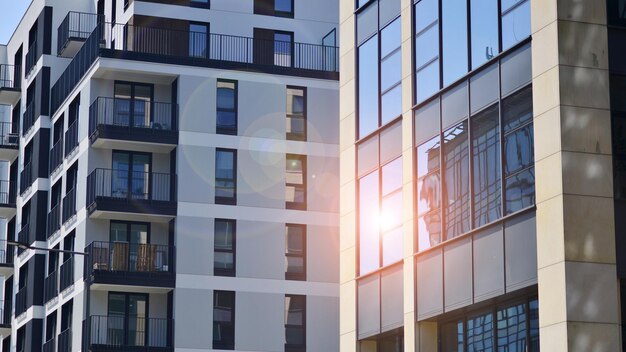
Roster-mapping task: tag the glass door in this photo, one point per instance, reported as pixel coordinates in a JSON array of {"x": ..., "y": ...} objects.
[
  {"x": 127, "y": 315},
  {"x": 132, "y": 106},
  {"x": 129, "y": 245},
  {"x": 131, "y": 175}
]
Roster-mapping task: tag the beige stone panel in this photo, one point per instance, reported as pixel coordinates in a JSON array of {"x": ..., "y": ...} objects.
[
  {"x": 542, "y": 13},
  {"x": 347, "y": 342},
  {"x": 552, "y": 305},
  {"x": 408, "y": 270},
  {"x": 347, "y": 99},
  {"x": 347, "y": 67},
  {"x": 547, "y": 131},
  {"x": 346, "y": 35},
  {"x": 347, "y": 196},
  {"x": 407, "y": 100},
  {"x": 347, "y": 307},
  {"x": 550, "y": 232},
  {"x": 407, "y": 166},
  {"x": 592, "y": 293},
  {"x": 407, "y": 202},
  {"x": 407, "y": 136},
  {"x": 585, "y": 337},
  {"x": 347, "y": 166},
  {"x": 584, "y": 87},
  {"x": 347, "y": 265},
  {"x": 587, "y": 174},
  {"x": 589, "y": 229},
  {"x": 552, "y": 338},
  {"x": 546, "y": 91},
  {"x": 404, "y": 4},
  {"x": 583, "y": 44},
  {"x": 347, "y": 130},
  {"x": 407, "y": 62},
  {"x": 545, "y": 54},
  {"x": 409, "y": 244},
  {"x": 548, "y": 183},
  {"x": 346, "y": 10},
  {"x": 347, "y": 238},
  {"x": 409, "y": 331},
  {"x": 407, "y": 25},
  {"x": 590, "y": 11},
  {"x": 586, "y": 130},
  {"x": 426, "y": 336}
]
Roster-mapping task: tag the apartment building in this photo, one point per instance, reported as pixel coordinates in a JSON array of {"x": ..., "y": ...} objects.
[
  {"x": 175, "y": 164},
  {"x": 482, "y": 175}
]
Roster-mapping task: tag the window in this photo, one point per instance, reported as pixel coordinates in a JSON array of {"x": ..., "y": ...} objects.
[
  {"x": 295, "y": 178},
  {"x": 295, "y": 252},
  {"x": 224, "y": 247},
  {"x": 454, "y": 40},
  {"x": 226, "y": 119},
  {"x": 296, "y": 113},
  {"x": 283, "y": 49},
  {"x": 200, "y": 3},
  {"x": 295, "y": 323},
  {"x": 224, "y": 320},
  {"x": 426, "y": 49},
  {"x": 131, "y": 175},
  {"x": 126, "y": 320},
  {"x": 515, "y": 22},
  {"x": 198, "y": 39},
  {"x": 225, "y": 176},
  {"x": 487, "y": 201},
  {"x": 280, "y": 8},
  {"x": 128, "y": 248},
  {"x": 51, "y": 327},
  {"x": 455, "y": 185},
  {"x": 484, "y": 31},
  {"x": 273, "y": 48}
]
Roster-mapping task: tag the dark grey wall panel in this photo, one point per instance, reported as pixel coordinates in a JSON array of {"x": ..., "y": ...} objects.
[
  {"x": 368, "y": 297},
  {"x": 488, "y": 263},
  {"x": 455, "y": 105},
  {"x": 429, "y": 272},
  {"x": 516, "y": 70},
  {"x": 485, "y": 88},
  {"x": 520, "y": 252},
  {"x": 392, "y": 302},
  {"x": 458, "y": 274}
]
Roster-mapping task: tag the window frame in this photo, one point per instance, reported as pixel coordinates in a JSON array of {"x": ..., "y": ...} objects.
[
  {"x": 291, "y": 275},
  {"x": 294, "y": 347},
  {"x": 298, "y": 136},
  {"x": 228, "y": 345},
  {"x": 192, "y": 54},
  {"x": 297, "y": 205},
  {"x": 235, "y": 110},
  {"x": 220, "y": 271},
  {"x": 227, "y": 200}
]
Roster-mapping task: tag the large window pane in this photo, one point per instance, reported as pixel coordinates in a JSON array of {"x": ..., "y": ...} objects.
[
  {"x": 225, "y": 175},
  {"x": 515, "y": 24},
  {"x": 295, "y": 318},
  {"x": 511, "y": 327},
  {"x": 426, "y": 49},
  {"x": 427, "y": 81},
  {"x": 368, "y": 87},
  {"x": 295, "y": 251},
  {"x": 391, "y": 104},
  {"x": 224, "y": 247},
  {"x": 368, "y": 223},
  {"x": 520, "y": 190},
  {"x": 367, "y": 22},
  {"x": 454, "y": 33},
  {"x": 226, "y": 120},
  {"x": 480, "y": 333},
  {"x": 452, "y": 337},
  {"x": 295, "y": 178},
  {"x": 534, "y": 325},
  {"x": 391, "y": 72},
  {"x": 428, "y": 194},
  {"x": 456, "y": 181},
  {"x": 486, "y": 166},
  {"x": 484, "y": 31},
  {"x": 223, "y": 320}
]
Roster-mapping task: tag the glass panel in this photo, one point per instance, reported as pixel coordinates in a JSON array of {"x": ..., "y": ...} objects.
[
  {"x": 116, "y": 320},
  {"x": 368, "y": 223},
  {"x": 282, "y": 49},
  {"x": 140, "y": 176},
  {"x": 388, "y": 10},
  {"x": 516, "y": 70},
  {"x": 392, "y": 246},
  {"x": 484, "y": 88},
  {"x": 295, "y": 240},
  {"x": 426, "y": 49},
  {"x": 223, "y": 303},
  {"x": 119, "y": 232},
  {"x": 427, "y": 81},
  {"x": 391, "y": 104},
  {"x": 120, "y": 181},
  {"x": 224, "y": 260},
  {"x": 391, "y": 142},
  {"x": 225, "y": 95},
  {"x": 456, "y": 181},
  {"x": 452, "y": 337},
  {"x": 224, "y": 233},
  {"x": 283, "y": 5},
  {"x": 198, "y": 38},
  {"x": 392, "y": 176},
  {"x": 427, "y": 44},
  {"x": 139, "y": 233},
  {"x": 427, "y": 122},
  {"x": 454, "y": 105},
  {"x": 391, "y": 71},
  {"x": 518, "y": 150},
  {"x": 137, "y": 310},
  {"x": 511, "y": 327},
  {"x": 390, "y": 38},
  {"x": 520, "y": 190},
  {"x": 391, "y": 213},
  {"x": 294, "y": 310},
  {"x": 367, "y": 22},
  {"x": 426, "y": 13},
  {"x": 480, "y": 333},
  {"x": 517, "y": 110},
  {"x": 294, "y": 265},
  {"x": 429, "y": 186},
  {"x": 486, "y": 166},
  {"x": 224, "y": 174},
  {"x": 534, "y": 325},
  {"x": 295, "y": 172},
  {"x": 454, "y": 34},
  {"x": 368, "y": 155},
  {"x": 368, "y": 87},
  {"x": 516, "y": 25},
  {"x": 484, "y": 21}
]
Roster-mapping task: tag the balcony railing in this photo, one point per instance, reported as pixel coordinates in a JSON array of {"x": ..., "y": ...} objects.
[
  {"x": 5, "y": 312},
  {"x": 71, "y": 138},
  {"x": 167, "y": 45},
  {"x": 129, "y": 332},
  {"x": 54, "y": 220},
  {"x": 10, "y": 77},
  {"x": 50, "y": 287},
  {"x": 29, "y": 118},
  {"x": 132, "y": 118},
  {"x": 26, "y": 178},
  {"x": 67, "y": 274},
  {"x": 69, "y": 205},
  {"x": 20, "y": 301},
  {"x": 6, "y": 253},
  {"x": 77, "y": 26},
  {"x": 24, "y": 237},
  {"x": 49, "y": 346},
  {"x": 129, "y": 257},
  {"x": 8, "y": 193},
  {"x": 8, "y": 137},
  {"x": 31, "y": 58},
  {"x": 65, "y": 341},
  {"x": 56, "y": 156}
]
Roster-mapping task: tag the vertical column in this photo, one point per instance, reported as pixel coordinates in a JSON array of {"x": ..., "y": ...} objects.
[{"x": 578, "y": 287}]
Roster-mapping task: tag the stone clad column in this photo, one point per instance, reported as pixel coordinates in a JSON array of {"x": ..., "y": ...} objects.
[{"x": 577, "y": 280}]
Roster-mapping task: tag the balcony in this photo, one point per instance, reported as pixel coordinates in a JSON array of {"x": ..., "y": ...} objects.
[
  {"x": 54, "y": 220},
  {"x": 67, "y": 274},
  {"x": 50, "y": 287},
  {"x": 163, "y": 45},
  {"x": 74, "y": 31},
  {"x": 20, "y": 301},
  {"x": 31, "y": 58},
  {"x": 8, "y": 195},
  {"x": 128, "y": 333},
  {"x": 26, "y": 178},
  {"x": 5, "y": 317},
  {"x": 10, "y": 81},
  {"x": 6, "y": 259},
  {"x": 56, "y": 156},
  {"x": 131, "y": 195},
  {"x": 65, "y": 341},
  {"x": 29, "y": 118},
  {"x": 131, "y": 124},
  {"x": 69, "y": 205},
  {"x": 71, "y": 138},
  {"x": 9, "y": 142},
  {"x": 24, "y": 236},
  {"x": 49, "y": 346},
  {"x": 131, "y": 264}
]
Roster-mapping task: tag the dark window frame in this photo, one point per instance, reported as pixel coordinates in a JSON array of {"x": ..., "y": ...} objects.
[
  {"x": 220, "y": 271},
  {"x": 287, "y": 14},
  {"x": 303, "y": 160},
  {"x": 227, "y": 200},
  {"x": 225, "y": 345},
  {"x": 296, "y": 347},
  {"x": 299, "y": 136},
  {"x": 291, "y": 275},
  {"x": 225, "y": 130},
  {"x": 268, "y": 8}
]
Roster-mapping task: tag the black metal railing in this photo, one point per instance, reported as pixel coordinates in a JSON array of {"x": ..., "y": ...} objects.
[
  {"x": 29, "y": 118},
  {"x": 26, "y": 178},
  {"x": 8, "y": 137},
  {"x": 67, "y": 274},
  {"x": 49, "y": 346},
  {"x": 128, "y": 331},
  {"x": 6, "y": 253},
  {"x": 5, "y": 312},
  {"x": 56, "y": 156},
  {"x": 71, "y": 138},
  {"x": 194, "y": 48},
  {"x": 54, "y": 220},
  {"x": 10, "y": 76},
  {"x": 31, "y": 57},
  {"x": 69, "y": 205},
  {"x": 8, "y": 193},
  {"x": 20, "y": 301},
  {"x": 24, "y": 237},
  {"x": 129, "y": 257},
  {"x": 65, "y": 341},
  {"x": 76, "y": 26},
  {"x": 50, "y": 286},
  {"x": 130, "y": 185},
  {"x": 132, "y": 114}
]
